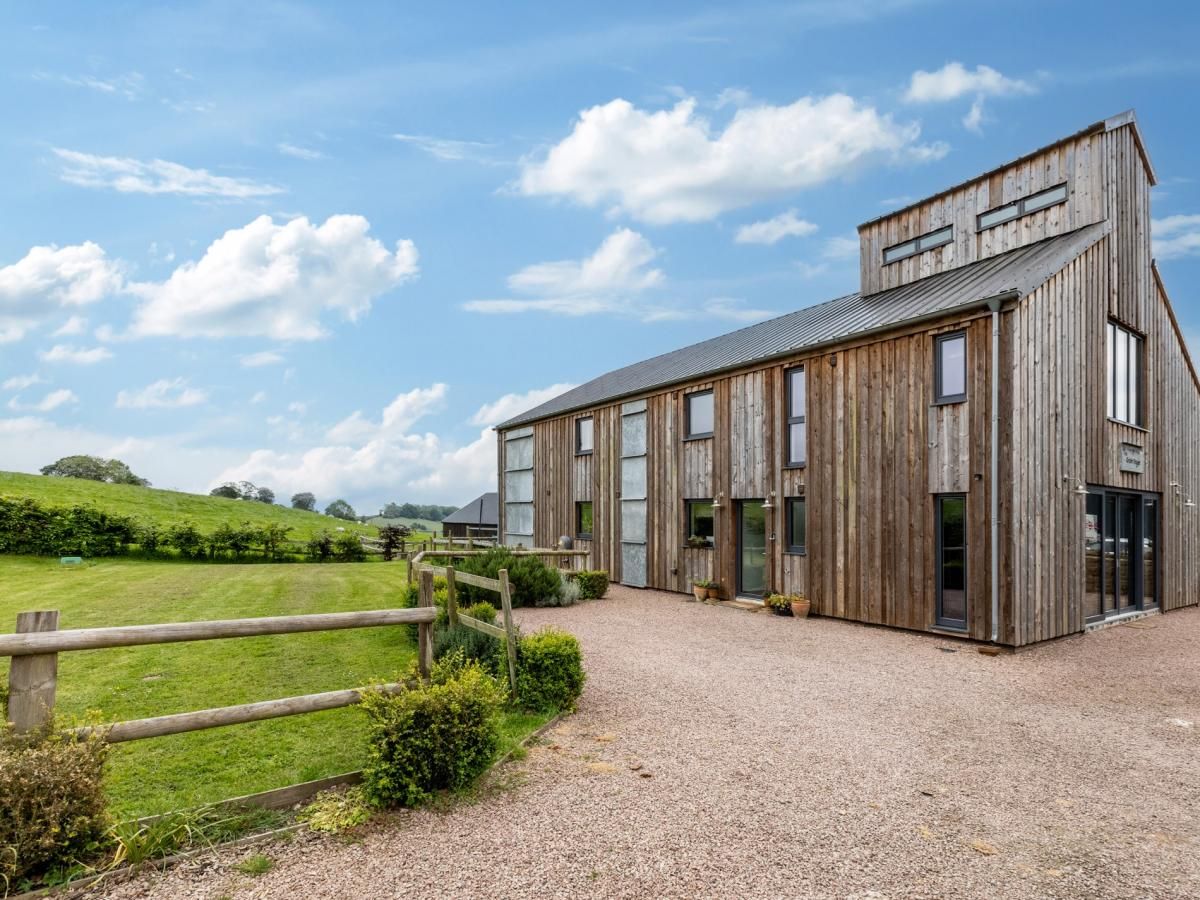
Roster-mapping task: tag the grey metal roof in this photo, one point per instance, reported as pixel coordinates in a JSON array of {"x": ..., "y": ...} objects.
[
  {"x": 1017, "y": 272},
  {"x": 483, "y": 510}
]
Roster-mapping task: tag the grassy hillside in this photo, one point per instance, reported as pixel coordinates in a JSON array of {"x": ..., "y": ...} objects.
[{"x": 167, "y": 507}]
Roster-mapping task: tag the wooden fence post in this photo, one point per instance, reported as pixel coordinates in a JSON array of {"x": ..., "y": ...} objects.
[
  {"x": 425, "y": 629},
  {"x": 510, "y": 630},
  {"x": 33, "y": 680},
  {"x": 451, "y": 597}
]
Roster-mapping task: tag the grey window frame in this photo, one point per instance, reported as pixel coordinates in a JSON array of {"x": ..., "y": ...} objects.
[
  {"x": 1135, "y": 374},
  {"x": 941, "y": 621},
  {"x": 927, "y": 241},
  {"x": 940, "y": 399},
  {"x": 1020, "y": 208},
  {"x": 579, "y": 532},
  {"x": 792, "y": 546},
  {"x": 687, "y": 415},
  {"x": 790, "y": 420},
  {"x": 578, "y": 422},
  {"x": 687, "y": 520}
]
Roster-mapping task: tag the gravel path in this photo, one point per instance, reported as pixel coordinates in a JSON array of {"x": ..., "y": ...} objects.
[{"x": 723, "y": 753}]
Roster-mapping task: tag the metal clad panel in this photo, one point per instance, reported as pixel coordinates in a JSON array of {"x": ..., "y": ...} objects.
[
  {"x": 633, "y": 521},
  {"x": 633, "y": 435},
  {"x": 633, "y": 495},
  {"x": 633, "y": 564},
  {"x": 633, "y": 478},
  {"x": 519, "y": 518},
  {"x": 518, "y": 487},
  {"x": 518, "y": 454}
]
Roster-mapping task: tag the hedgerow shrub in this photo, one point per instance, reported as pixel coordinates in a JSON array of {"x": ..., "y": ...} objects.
[
  {"x": 348, "y": 548},
  {"x": 593, "y": 584},
  {"x": 533, "y": 583},
  {"x": 319, "y": 547},
  {"x": 549, "y": 670},
  {"x": 52, "y": 805},
  {"x": 473, "y": 645},
  {"x": 430, "y": 737}
]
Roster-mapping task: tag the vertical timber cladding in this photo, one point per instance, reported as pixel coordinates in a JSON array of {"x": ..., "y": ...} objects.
[
  {"x": 518, "y": 487},
  {"x": 633, "y": 493}
]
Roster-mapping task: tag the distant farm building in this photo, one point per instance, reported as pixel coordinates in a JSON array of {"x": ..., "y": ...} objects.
[{"x": 478, "y": 519}]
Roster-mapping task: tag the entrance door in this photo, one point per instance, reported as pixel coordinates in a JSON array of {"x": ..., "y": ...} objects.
[
  {"x": 1121, "y": 553},
  {"x": 752, "y": 548}
]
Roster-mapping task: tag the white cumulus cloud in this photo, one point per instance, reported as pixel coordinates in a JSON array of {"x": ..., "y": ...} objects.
[
  {"x": 261, "y": 358},
  {"x": 20, "y": 382},
  {"x": 955, "y": 80},
  {"x": 51, "y": 401},
  {"x": 275, "y": 280},
  {"x": 166, "y": 393},
  {"x": 155, "y": 176},
  {"x": 673, "y": 165},
  {"x": 772, "y": 231},
  {"x": 1176, "y": 236},
  {"x": 492, "y": 414},
  {"x": 51, "y": 279},
  {"x": 79, "y": 356}
]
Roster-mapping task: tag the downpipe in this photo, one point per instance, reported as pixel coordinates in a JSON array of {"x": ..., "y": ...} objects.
[{"x": 994, "y": 491}]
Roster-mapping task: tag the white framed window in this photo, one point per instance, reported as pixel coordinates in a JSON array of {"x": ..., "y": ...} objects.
[{"x": 1126, "y": 357}]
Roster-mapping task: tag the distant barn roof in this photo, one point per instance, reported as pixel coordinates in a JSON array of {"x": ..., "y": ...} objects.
[
  {"x": 483, "y": 510},
  {"x": 1017, "y": 272}
]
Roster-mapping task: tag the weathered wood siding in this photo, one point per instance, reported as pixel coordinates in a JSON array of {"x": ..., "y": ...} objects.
[{"x": 1101, "y": 171}]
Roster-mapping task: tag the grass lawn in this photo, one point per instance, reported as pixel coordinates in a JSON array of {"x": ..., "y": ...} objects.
[
  {"x": 169, "y": 507},
  {"x": 184, "y": 770}
]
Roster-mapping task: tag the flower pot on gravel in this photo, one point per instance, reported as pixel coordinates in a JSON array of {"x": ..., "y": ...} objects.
[
  {"x": 778, "y": 604},
  {"x": 713, "y": 594},
  {"x": 800, "y": 607},
  {"x": 699, "y": 591}
]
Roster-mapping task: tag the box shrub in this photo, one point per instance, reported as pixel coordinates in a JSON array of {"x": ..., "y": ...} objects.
[
  {"x": 549, "y": 670},
  {"x": 430, "y": 737},
  {"x": 533, "y": 583},
  {"x": 52, "y": 805},
  {"x": 484, "y": 612},
  {"x": 593, "y": 584}
]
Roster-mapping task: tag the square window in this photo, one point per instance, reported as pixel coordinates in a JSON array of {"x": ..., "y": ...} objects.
[
  {"x": 950, "y": 368},
  {"x": 701, "y": 526},
  {"x": 797, "y": 525},
  {"x": 583, "y": 520},
  {"x": 699, "y": 414},
  {"x": 583, "y": 436}
]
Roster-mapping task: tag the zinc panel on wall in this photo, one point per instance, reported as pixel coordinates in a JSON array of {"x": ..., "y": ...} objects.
[
  {"x": 633, "y": 493},
  {"x": 518, "y": 487}
]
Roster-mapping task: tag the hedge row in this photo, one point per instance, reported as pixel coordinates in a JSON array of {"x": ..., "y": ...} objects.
[{"x": 28, "y": 527}]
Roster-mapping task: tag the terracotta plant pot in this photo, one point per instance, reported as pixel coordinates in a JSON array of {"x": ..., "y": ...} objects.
[
  {"x": 713, "y": 595},
  {"x": 800, "y": 608},
  {"x": 699, "y": 592}
]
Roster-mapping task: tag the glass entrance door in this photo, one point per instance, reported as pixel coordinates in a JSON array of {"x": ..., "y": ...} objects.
[
  {"x": 1121, "y": 553},
  {"x": 752, "y": 548}
]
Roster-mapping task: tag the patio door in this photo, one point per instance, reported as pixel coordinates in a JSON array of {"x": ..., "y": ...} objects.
[
  {"x": 1121, "y": 534},
  {"x": 751, "y": 549}
]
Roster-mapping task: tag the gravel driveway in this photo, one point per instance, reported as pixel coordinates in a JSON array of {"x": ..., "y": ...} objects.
[{"x": 718, "y": 752}]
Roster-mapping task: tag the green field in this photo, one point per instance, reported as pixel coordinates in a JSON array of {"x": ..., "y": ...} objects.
[
  {"x": 185, "y": 770},
  {"x": 168, "y": 507}
]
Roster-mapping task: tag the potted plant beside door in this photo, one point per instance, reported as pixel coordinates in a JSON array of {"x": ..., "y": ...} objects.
[
  {"x": 700, "y": 589},
  {"x": 800, "y": 605},
  {"x": 780, "y": 604}
]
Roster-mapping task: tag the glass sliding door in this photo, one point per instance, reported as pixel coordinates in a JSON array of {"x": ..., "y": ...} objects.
[
  {"x": 952, "y": 562},
  {"x": 1120, "y": 553},
  {"x": 752, "y": 548}
]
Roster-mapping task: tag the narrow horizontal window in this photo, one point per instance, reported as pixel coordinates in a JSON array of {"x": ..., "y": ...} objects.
[
  {"x": 1023, "y": 207},
  {"x": 699, "y": 414},
  {"x": 950, "y": 368},
  {"x": 583, "y": 520},
  {"x": 797, "y": 417},
  {"x": 797, "y": 525},
  {"x": 700, "y": 523},
  {"x": 1125, "y": 351},
  {"x": 930, "y": 241},
  {"x": 583, "y": 435}
]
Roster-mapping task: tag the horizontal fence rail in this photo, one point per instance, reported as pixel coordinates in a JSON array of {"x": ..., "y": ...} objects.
[
  {"x": 33, "y": 670},
  {"x": 177, "y": 632}
]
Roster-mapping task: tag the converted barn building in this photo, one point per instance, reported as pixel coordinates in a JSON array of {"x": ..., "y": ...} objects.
[
  {"x": 998, "y": 436},
  {"x": 478, "y": 519}
]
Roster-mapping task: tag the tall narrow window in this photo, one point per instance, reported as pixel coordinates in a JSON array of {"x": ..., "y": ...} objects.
[
  {"x": 699, "y": 414},
  {"x": 1125, "y": 352},
  {"x": 583, "y": 436},
  {"x": 583, "y": 520},
  {"x": 950, "y": 368},
  {"x": 700, "y": 523},
  {"x": 797, "y": 416},
  {"x": 952, "y": 561},
  {"x": 797, "y": 525}
]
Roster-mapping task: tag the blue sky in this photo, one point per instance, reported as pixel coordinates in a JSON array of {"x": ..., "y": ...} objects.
[{"x": 326, "y": 247}]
